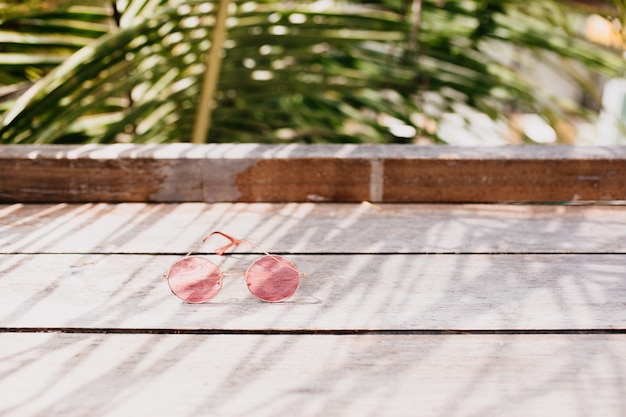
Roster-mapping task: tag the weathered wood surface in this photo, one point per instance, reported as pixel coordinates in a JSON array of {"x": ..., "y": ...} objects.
[
  {"x": 407, "y": 310},
  {"x": 312, "y": 375},
  {"x": 341, "y": 292},
  {"x": 288, "y": 173},
  {"x": 313, "y": 228}
]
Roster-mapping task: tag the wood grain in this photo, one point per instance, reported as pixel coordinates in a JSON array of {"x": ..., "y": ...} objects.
[
  {"x": 298, "y": 173},
  {"x": 313, "y": 228},
  {"x": 306, "y": 375},
  {"x": 341, "y": 292},
  {"x": 524, "y": 179},
  {"x": 407, "y": 309}
]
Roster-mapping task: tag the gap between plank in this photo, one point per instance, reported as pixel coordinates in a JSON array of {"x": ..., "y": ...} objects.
[
  {"x": 286, "y": 253},
  {"x": 331, "y": 332}
]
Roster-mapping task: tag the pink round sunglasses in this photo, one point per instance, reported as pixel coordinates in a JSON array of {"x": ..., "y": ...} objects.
[{"x": 270, "y": 278}]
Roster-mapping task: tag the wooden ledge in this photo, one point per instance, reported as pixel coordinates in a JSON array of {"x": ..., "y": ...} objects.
[{"x": 332, "y": 173}]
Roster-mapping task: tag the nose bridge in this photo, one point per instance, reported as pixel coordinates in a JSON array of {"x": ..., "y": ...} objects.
[{"x": 233, "y": 274}]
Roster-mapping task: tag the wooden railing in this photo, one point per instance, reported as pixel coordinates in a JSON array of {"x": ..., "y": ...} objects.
[{"x": 321, "y": 173}]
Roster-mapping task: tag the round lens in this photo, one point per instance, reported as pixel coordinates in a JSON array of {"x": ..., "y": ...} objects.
[
  {"x": 273, "y": 278},
  {"x": 194, "y": 279}
]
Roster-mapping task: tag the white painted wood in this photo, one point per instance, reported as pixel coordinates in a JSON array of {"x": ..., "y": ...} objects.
[
  {"x": 313, "y": 228},
  {"x": 230, "y": 151},
  {"x": 307, "y": 375},
  {"x": 344, "y": 292},
  {"x": 93, "y": 267}
]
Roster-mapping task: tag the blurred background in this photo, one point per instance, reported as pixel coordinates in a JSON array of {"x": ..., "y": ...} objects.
[{"x": 464, "y": 72}]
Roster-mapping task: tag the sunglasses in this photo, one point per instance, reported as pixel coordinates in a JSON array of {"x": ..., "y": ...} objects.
[{"x": 195, "y": 279}]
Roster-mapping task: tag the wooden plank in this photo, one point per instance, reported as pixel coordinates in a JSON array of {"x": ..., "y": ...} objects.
[
  {"x": 314, "y": 228},
  {"x": 253, "y": 375},
  {"x": 341, "y": 292},
  {"x": 288, "y": 173},
  {"x": 508, "y": 180}
]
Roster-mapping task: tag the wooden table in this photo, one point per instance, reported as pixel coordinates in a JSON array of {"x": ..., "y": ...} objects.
[{"x": 407, "y": 309}]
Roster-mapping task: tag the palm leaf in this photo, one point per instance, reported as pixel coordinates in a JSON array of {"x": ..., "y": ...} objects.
[{"x": 287, "y": 72}]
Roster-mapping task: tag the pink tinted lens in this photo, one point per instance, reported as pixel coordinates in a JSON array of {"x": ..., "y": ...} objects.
[
  {"x": 273, "y": 278},
  {"x": 194, "y": 279}
]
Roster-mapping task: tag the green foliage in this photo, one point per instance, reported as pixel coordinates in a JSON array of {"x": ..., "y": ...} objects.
[{"x": 325, "y": 71}]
